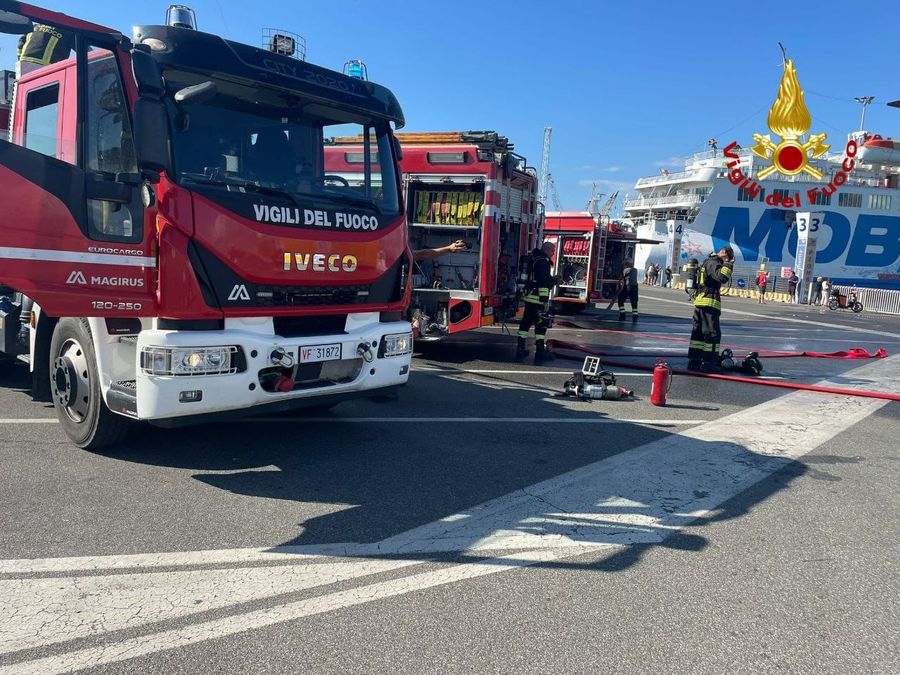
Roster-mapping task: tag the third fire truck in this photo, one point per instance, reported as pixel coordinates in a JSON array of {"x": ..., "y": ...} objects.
[{"x": 589, "y": 259}]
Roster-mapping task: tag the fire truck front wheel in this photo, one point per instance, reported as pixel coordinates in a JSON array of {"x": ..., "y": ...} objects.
[{"x": 75, "y": 387}]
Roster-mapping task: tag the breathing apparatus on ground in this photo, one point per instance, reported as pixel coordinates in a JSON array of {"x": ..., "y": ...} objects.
[
  {"x": 593, "y": 383},
  {"x": 751, "y": 365}
]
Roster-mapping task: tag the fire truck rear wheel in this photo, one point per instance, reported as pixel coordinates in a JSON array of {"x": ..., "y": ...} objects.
[
  {"x": 6, "y": 364},
  {"x": 75, "y": 388}
]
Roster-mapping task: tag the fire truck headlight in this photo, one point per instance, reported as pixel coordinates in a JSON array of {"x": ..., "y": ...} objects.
[
  {"x": 177, "y": 361},
  {"x": 397, "y": 345}
]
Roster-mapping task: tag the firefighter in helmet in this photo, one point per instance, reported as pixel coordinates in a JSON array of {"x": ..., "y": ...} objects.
[
  {"x": 628, "y": 289},
  {"x": 703, "y": 351},
  {"x": 537, "y": 299},
  {"x": 44, "y": 45}
]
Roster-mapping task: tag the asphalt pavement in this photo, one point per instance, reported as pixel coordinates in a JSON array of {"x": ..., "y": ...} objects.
[{"x": 483, "y": 522}]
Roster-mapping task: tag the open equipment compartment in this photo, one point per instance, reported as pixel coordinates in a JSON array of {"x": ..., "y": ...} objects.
[{"x": 466, "y": 186}]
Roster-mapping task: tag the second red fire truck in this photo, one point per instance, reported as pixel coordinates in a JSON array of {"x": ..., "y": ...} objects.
[{"x": 468, "y": 186}]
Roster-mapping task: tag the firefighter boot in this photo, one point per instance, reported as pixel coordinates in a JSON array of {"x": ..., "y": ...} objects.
[
  {"x": 621, "y": 312},
  {"x": 521, "y": 352},
  {"x": 542, "y": 354}
]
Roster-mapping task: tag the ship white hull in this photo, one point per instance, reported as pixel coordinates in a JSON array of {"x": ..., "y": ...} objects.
[{"x": 855, "y": 245}]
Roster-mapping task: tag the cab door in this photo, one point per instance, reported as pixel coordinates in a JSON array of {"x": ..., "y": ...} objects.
[{"x": 72, "y": 230}]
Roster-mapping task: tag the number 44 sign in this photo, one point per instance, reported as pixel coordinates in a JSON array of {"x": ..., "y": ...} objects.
[{"x": 808, "y": 226}]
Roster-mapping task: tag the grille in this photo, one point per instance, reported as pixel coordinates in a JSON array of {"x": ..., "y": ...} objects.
[
  {"x": 311, "y": 296},
  {"x": 306, "y": 326}
]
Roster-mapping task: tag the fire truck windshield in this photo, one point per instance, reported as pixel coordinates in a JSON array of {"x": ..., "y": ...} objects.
[{"x": 239, "y": 138}]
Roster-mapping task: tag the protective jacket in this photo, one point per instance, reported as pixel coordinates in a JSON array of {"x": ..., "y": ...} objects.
[
  {"x": 537, "y": 290},
  {"x": 713, "y": 273},
  {"x": 45, "y": 45}
]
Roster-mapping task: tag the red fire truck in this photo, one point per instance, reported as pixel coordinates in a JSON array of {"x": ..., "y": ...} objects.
[
  {"x": 589, "y": 259},
  {"x": 468, "y": 186},
  {"x": 172, "y": 248}
]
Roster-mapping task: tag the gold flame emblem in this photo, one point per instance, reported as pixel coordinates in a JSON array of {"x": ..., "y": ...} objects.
[{"x": 789, "y": 119}]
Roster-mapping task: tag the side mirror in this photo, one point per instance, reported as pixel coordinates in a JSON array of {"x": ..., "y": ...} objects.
[
  {"x": 146, "y": 74},
  {"x": 397, "y": 149},
  {"x": 151, "y": 136}
]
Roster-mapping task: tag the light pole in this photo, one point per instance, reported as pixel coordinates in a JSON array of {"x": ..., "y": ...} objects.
[{"x": 865, "y": 100}]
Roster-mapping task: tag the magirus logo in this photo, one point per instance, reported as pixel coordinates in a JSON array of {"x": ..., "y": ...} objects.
[{"x": 77, "y": 278}]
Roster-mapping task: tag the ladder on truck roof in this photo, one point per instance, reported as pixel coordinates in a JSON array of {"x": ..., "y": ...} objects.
[
  {"x": 601, "y": 259},
  {"x": 483, "y": 138}
]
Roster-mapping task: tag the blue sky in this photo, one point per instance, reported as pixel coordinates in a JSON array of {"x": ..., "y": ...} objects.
[{"x": 628, "y": 87}]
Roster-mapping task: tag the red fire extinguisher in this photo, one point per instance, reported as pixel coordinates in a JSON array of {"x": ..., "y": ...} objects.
[{"x": 662, "y": 380}]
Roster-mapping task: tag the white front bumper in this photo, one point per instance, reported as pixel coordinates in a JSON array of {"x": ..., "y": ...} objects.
[{"x": 158, "y": 395}]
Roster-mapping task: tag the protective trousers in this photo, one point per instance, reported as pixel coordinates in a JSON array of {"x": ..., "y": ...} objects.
[
  {"x": 631, "y": 293},
  {"x": 533, "y": 315},
  {"x": 705, "y": 337}
]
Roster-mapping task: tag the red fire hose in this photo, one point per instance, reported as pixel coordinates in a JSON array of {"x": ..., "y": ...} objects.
[{"x": 852, "y": 354}]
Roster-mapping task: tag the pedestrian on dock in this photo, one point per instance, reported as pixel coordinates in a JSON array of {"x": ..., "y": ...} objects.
[
  {"x": 792, "y": 287},
  {"x": 762, "y": 282},
  {"x": 816, "y": 298}
]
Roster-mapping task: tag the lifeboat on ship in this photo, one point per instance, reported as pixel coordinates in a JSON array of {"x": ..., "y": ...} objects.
[{"x": 878, "y": 150}]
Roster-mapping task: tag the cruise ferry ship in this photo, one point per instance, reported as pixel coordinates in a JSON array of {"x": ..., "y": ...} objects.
[{"x": 859, "y": 244}]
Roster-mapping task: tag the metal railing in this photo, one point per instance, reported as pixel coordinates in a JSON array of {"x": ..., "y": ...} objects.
[
  {"x": 665, "y": 178},
  {"x": 878, "y": 300},
  {"x": 689, "y": 200}
]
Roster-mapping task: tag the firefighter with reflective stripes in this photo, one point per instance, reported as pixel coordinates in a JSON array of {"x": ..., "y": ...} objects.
[
  {"x": 628, "y": 289},
  {"x": 44, "y": 45},
  {"x": 703, "y": 352},
  {"x": 537, "y": 299}
]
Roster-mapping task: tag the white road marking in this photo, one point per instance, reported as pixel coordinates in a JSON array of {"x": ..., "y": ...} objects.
[
  {"x": 726, "y": 311},
  {"x": 417, "y": 420},
  {"x": 155, "y": 596},
  {"x": 429, "y": 369},
  {"x": 472, "y": 420},
  {"x": 240, "y": 623},
  {"x": 555, "y": 373},
  {"x": 639, "y": 496},
  {"x": 29, "y": 420}
]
